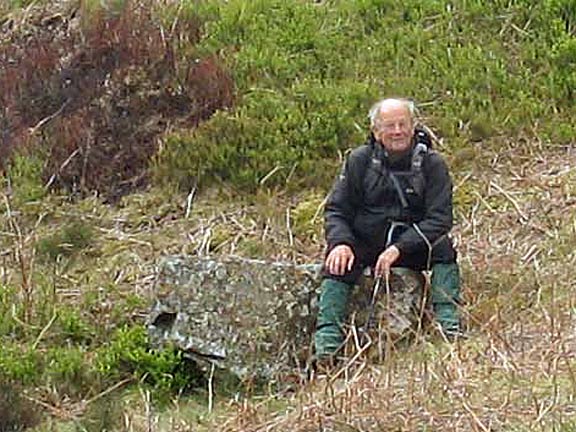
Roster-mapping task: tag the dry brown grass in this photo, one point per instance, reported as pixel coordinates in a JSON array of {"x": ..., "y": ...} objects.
[{"x": 515, "y": 371}]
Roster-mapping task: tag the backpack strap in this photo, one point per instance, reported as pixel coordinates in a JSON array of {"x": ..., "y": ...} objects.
[
  {"x": 375, "y": 168},
  {"x": 422, "y": 147},
  {"x": 398, "y": 189},
  {"x": 418, "y": 153}
]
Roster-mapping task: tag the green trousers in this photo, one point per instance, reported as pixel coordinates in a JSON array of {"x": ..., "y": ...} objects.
[
  {"x": 332, "y": 313},
  {"x": 335, "y": 296},
  {"x": 445, "y": 296}
]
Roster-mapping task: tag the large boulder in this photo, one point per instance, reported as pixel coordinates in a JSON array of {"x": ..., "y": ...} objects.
[{"x": 256, "y": 318}]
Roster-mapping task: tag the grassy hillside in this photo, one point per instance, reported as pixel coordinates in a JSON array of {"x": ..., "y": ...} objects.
[
  {"x": 306, "y": 73},
  {"x": 251, "y": 105}
]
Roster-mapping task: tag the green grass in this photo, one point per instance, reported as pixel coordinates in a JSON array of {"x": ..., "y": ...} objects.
[{"x": 306, "y": 74}]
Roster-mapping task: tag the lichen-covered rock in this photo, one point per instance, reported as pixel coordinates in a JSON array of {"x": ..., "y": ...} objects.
[{"x": 257, "y": 318}]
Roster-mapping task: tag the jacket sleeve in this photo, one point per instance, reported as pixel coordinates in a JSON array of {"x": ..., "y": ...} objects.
[
  {"x": 438, "y": 217},
  {"x": 344, "y": 201}
]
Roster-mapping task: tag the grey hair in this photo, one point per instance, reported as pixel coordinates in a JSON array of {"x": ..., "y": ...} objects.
[{"x": 376, "y": 109}]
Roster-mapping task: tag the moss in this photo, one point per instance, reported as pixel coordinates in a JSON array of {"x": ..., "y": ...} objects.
[{"x": 307, "y": 217}]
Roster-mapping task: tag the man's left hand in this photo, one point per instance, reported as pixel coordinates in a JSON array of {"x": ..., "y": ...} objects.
[{"x": 385, "y": 261}]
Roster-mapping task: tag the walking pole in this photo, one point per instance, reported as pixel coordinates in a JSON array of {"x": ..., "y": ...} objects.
[{"x": 372, "y": 308}]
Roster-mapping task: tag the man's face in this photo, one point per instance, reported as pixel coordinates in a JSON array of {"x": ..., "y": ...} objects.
[{"x": 394, "y": 129}]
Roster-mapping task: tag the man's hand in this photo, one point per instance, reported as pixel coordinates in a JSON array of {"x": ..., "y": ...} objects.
[
  {"x": 339, "y": 260},
  {"x": 385, "y": 261}
]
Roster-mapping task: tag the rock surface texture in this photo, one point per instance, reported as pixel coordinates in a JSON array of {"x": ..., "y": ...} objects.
[{"x": 256, "y": 318}]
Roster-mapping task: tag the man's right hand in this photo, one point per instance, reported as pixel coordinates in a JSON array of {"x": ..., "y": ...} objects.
[{"x": 339, "y": 260}]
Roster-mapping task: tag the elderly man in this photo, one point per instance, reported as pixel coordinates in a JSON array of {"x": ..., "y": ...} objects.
[{"x": 390, "y": 206}]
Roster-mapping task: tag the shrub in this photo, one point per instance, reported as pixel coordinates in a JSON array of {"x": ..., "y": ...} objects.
[
  {"x": 564, "y": 57},
  {"x": 69, "y": 240},
  {"x": 307, "y": 74},
  {"x": 128, "y": 354},
  {"x": 273, "y": 139},
  {"x": 73, "y": 327},
  {"x": 24, "y": 175},
  {"x": 67, "y": 370},
  {"x": 20, "y": 363},
  {"x": 101, "y": 94}
]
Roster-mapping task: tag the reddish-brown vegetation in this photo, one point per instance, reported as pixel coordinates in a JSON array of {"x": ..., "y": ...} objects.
[{"x": 94, "y": 94}]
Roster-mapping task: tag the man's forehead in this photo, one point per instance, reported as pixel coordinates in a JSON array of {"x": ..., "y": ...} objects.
[{"x": 395, "y": 112}]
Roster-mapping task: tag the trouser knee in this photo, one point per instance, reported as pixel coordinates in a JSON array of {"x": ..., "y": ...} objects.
[
  {"x": 332, "y": 313},
  {"x": 333, "y": 302}
]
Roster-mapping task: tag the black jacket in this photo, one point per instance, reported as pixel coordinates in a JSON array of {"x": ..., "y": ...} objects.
[{"x": 364, "y": 201}]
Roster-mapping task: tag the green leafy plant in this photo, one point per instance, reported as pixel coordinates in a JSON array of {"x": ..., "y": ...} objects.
[
  {"x": 73, "y": 327},
  {"x": 20, "y": 363},
  {"x": 25, "y": 178},
  {"x": 67, "y": 369},
  {"x": 128, "y": 354}
]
